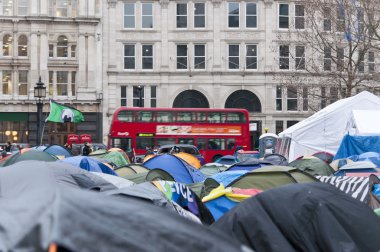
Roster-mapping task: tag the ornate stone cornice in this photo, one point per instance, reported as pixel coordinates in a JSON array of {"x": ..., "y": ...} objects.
[{"x": 164, "y": 3}]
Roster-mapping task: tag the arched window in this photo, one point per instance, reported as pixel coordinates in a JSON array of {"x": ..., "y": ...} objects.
[
  {"x": 62, "y": 47},
  {"x": 22, "y": 46},
  {"x": 190, "y": 99},
  {"x": 244, "y": 99},
  {"x": 7, "y": 45}
]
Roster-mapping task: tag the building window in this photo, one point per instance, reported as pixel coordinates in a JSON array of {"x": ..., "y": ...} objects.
[
  {"x": 129, "y": 15},
  {"x": 7, "y": 82},
  {"x": 74, "y": 7},
  {"x": 292, "y": 99},
  {"x": 290, "y": 123},
  {"x": 251, "y": 57},
  {"x": 73, "y": 51},
  {"x": 199, "y": 57},
  {"x": 51, "y": 50},
  {"x": 233, "y": 15},
  {"x": 181, "y": 56},
  {"x": 333, "y": 94},
  {"x": 251, "y": 16},
  {"x": 147, "y": 56},
  {"x": 73, "y": 83},
  {"x": 283, "y": 16},
  {"x": 300, "y": 57},
  {"x": 153, "y": 96},
  {"x": 23, "y": 82},
  {"x": 51, "y": 83},
  {"x": 22, "y": 46},
  {"x": 123, "y": 96},
  {"x": 62, "y": 82},
  {"x": 279, "y": 127},
  {"x": 305, "y": 99},
  {"x": 7, "y": 7},
  {"x": 199, "y": 15},
  {"x": 23, "y": 6},
  {"x": 340, "y": 59},
  {"x": 340, "y": 20},
  {"x": 299, "y": 19},
  {"x": 323, "y": 97},
  {"x": 181, "y": 15},
  {"x": 138, "y": 96},
  {"x": 61, "y": 8},
  {"x": 278, "y": 98},
  {"x": 233, "y": 57},
  {"x": 326, "y": 19},
  {"x": 62, "y": 47},
  {"x": 371, "y": 62},
  {"x": 7, "y": 45},
  {"x": 129, "y": 56},
  {"x": 327, "y": 59},
  {"x": 147, "y": 15},
  {"x": 284, "y": 57},
  {"x": 361, "y": 62}
]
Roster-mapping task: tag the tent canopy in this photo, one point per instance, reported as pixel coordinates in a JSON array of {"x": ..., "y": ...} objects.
[
  {"x": 324, "y": 130},
  {"x": 364, "y": 123}
]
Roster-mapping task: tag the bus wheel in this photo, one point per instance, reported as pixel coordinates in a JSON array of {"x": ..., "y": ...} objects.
[{"x": 216, "y": 157}]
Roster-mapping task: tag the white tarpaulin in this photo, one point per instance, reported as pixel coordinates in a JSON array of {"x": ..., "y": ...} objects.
[
  {"x": 364, "y": 123},
  {"x": 324, "y": 130}
]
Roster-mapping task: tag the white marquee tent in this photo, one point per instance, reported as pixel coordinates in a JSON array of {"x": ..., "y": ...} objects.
[{"x": 324, "y": 130}]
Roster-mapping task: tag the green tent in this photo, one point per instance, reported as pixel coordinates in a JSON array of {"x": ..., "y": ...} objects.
[
  {"x": 137, "y": 178},
  {"x": 213, "y": 168},
  {"x": 313, "y": 165},
  {"x": 30, "y": 155},
  {"x": 124, "y": 171},
  {"x": 114, "y": 157},
  {"x": 272, "y": 176}
]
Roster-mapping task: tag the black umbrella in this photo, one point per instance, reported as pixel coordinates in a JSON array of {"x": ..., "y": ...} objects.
[{"x": 303, "y": 217}]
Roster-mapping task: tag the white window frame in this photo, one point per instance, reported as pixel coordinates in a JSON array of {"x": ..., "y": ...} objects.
[
  {"x": 327, "y": 59},
  {"x": 62, "y": 7},
  {"x": 66, "y": 84},
  {"x": 147, "y": 15},
  {"x": 124, "y": 98},
  {"x": 300, "y": 58},
  {"x": 279, "y": 98},
  {"x": 146, "y": 57},
  {"x": 371, "y": 61},
  {"x": 284, "y": 57},
  {"x": 9, "y": 6},
  {"x": 24, "y": 7},
  {"x": 129, "y": 15},
  {"x": 250, "y": 15},
  {"x": 180, "y": 57},
  {"x": 228, "y": 15},
  {"x": 280, "y": 16},
  {"x": 195, "y": 65},
  {"x": 299, "y": 17},
  {"x": 255, "y": 57},
  {"x": 200, "y": 15},
  {"x": 134, "y": 57},
  {"x": 9, "y": 83},
  {"x": 23, "y": 83},
  {"x": 20, "y": 47},
  {"x": 182, "y": 15},
  {"x": 229, "y": 57},
  {"x": 288, "y": 99}
]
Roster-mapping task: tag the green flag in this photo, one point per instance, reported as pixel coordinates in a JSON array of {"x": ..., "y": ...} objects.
[{"x": 61, "y": 113}]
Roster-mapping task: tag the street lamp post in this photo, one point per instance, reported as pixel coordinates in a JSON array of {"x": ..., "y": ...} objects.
[
  {"x": 140, "y": 89},
  {"x": 39, "y": 94}
]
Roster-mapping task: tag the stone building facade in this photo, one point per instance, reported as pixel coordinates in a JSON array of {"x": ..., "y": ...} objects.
[
  {"x": 58, "y": 40},
  {"x": 215, "y": 54}
]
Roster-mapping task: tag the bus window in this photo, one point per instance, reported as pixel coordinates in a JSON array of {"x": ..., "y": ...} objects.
[
  {"x": 201, "y": 143},
  {"x": 201, "y": 117},
  {"x": 123, "y": 143},
  {"x": 186, "y": 141},
  {"x": 216, "y": 117},
  {"x": 143, "y": 142},
  {"x": 185, "y": 117},
  {"x": 164, "y": 116},
  {"x": 236, "y": 117},
  {"x": 125, "y": 116},
  {"x": 231, "y": 142},
  {"x": 217, "y": 144},
  {"x": 165, "y": 141},
  {"x": 144, "y": 116}
]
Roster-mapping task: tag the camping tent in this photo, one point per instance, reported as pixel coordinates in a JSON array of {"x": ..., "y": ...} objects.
[
  {"x": 364, "y": 123},
  {"x": 324, "y": 130}
]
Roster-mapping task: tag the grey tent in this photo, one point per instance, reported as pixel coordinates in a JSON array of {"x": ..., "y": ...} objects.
[{"x": 79, "y": 220}]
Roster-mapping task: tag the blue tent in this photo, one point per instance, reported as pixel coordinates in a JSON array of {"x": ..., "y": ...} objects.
[
  {"x": 88, "y": 164},
  {"x": 58, "y": 150},
  {"x": 249, "y": 165},
  {"x": 220, "y": 206},
  {"x": 356, "y": 145},
  {"x": 227, "y": 177},
  {"x": 180, "y": 170},
  {"x": 227, "y": 160},
  {"x": 373, "y": 157}
]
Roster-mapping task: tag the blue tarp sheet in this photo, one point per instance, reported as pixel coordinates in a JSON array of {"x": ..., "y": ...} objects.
[
  {"x": 356, "y": 145},
  {"x": 220, "y": 206},
  {"x": 227, "y": 177}
]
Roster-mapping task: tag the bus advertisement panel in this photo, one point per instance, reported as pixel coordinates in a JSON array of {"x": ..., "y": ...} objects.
[{"x": 216, "y": 132}]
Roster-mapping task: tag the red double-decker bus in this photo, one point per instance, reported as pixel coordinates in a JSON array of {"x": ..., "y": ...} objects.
[{"x": 216, "y": 132}]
